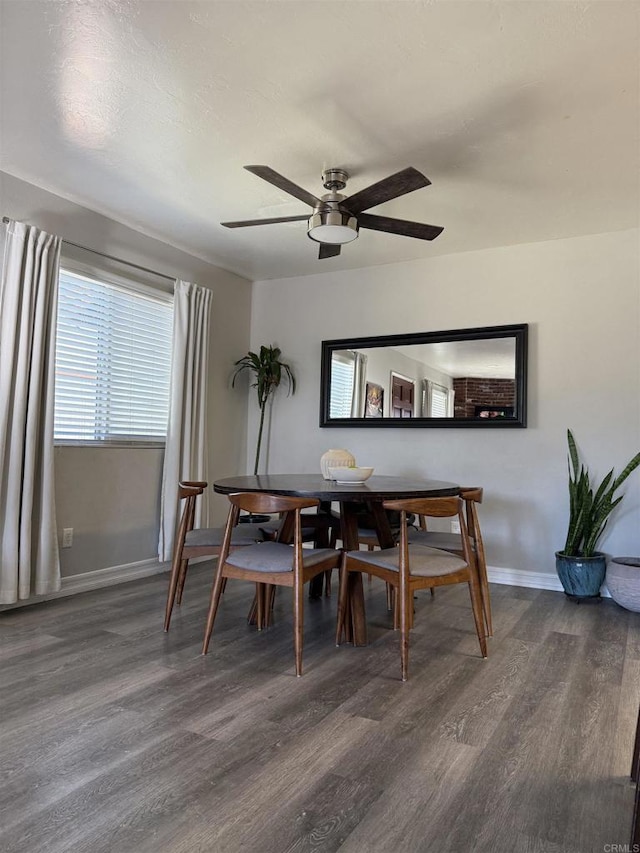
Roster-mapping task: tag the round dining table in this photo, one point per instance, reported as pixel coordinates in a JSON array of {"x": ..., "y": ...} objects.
[{"x": 351, "y": 497}]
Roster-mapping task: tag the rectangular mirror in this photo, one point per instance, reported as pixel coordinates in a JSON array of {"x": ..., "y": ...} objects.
[{"x": 456, "y": 378}]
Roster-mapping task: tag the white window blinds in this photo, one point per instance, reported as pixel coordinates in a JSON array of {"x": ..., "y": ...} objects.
[
  {"x": 439, "y": 400},
  {"x": 113, "y": 361},
  {"x": 342, "y": 378}
]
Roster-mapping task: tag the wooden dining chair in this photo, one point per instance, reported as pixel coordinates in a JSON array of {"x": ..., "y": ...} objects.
[
  {"x": 411, "y": 567},
  {"x": 201, "y": 542},
  {"x": 270, "y": 564},
  {"x": 472, "y": 496},
  {"x": 368, "y": 536},
  {"x": 321, "y": 528}
]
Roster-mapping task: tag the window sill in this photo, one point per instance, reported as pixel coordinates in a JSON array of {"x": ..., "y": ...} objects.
[{"x": 130, "y": 445}]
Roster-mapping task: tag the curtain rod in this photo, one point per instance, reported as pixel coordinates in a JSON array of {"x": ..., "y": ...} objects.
[{"x": 6, "y": 219}]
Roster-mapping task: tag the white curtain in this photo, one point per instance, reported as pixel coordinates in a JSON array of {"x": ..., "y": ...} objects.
[
  {"x": 359, "y": 384},
  {"x": 29, "y": 558},
  {"x": 186, "y": 449}
]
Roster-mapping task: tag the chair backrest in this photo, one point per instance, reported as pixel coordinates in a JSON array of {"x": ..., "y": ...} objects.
[
  {"x": 470, "y": 495},
  {"x": 188, "y": 486},
  {"x": 434, "y": 507},
  {"x": 446, "y": 507},
  {"x": 259, "y": 502},
  {"x": 188, "y": 490}
]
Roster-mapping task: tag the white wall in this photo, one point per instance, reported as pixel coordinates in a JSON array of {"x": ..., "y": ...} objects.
[
  {"x": 581, "y": 299},
  {"x": 110, "y": 496}
]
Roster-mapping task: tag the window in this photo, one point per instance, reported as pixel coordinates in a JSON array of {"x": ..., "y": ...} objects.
[
  {"x": 439, "y": 400},
  {"x": 342, "y": 379},
  {"x": 113, "y": 360}
]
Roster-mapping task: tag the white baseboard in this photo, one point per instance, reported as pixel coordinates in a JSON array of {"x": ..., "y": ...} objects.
[
  {"x": 520, "y": 577},
  {"x": 88, "y": 581},
  {"x": 533, "y": 580}
]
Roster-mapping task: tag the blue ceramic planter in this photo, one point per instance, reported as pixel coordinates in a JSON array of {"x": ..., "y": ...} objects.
[{"x": 581, "y": 577}]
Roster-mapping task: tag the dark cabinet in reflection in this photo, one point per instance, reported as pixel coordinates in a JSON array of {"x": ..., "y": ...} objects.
[{"x": 402, "y": 397}]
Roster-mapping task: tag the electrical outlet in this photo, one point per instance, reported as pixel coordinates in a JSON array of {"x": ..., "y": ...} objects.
[
  {"x": 455, "y": 525},
  {"x": 67, "y": 537}
]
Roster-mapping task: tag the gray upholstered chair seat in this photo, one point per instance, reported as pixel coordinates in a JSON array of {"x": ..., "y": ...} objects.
[
  {"x": 271, "y": 528},
  {"x": 435, "y": 539},
  {"x": 425, "y": 562},
  {"x": 275, "y": 557},
  {"x": 243, "y": 534},
  {"x": 367, "y": 533}
]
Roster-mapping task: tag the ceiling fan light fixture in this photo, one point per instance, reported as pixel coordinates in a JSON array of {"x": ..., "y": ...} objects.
[
  {"x": 333, "y": 227},
  {"x": 336, "y": 219}
]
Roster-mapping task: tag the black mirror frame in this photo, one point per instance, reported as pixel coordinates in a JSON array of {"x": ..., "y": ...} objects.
[{"x": 519, "y": 419}]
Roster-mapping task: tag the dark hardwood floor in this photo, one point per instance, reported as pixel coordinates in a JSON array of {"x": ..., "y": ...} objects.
[{"x": 117, "y": 738}]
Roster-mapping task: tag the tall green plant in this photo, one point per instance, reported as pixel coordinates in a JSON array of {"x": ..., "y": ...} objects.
[
  {"x": 589, "y": 511},
  {"x": 268, "y": 372}
]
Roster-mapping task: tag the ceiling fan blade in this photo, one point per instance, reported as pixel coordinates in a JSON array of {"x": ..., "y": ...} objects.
[
  {"x": 243, "y": 222},
  {"x": 282, "y": 183},
  {"x": 399, "y": 226},
  {"x": 329, "y": 250},
  {"x": 395, "y": 185}
]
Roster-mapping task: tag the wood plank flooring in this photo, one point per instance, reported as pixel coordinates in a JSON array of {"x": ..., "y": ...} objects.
[{"x": 117, "y": 738}]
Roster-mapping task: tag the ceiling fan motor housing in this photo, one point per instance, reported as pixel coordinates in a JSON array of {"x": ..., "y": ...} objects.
[{"x": 334, "y": 179}]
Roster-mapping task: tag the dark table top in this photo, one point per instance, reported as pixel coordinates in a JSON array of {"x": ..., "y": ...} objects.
[{"x": 376, "y": 488}]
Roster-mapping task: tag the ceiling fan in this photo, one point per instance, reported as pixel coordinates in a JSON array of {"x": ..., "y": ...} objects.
[{"x": 336, "y": 218}]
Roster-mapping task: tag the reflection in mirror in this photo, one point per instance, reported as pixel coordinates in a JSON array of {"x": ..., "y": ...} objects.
[{"x": 465, "y": 377}]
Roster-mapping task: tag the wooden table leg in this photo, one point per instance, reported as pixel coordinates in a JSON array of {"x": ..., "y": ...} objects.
[
  {"x": 357, "y": 618},
  {"x": 355, "y": 622},
  {"x": 383, "y": 528},
  {"x": 285, "y": 534},
  {"x": 316, "y": 584},
  {"x": 315, "y": 587}
]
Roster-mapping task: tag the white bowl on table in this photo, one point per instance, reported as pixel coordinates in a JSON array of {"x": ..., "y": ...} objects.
[{"x": 356, "y": 474}]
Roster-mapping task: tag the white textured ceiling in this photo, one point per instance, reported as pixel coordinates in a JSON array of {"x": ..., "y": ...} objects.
[
  {"x": 524, "y": 115},
  {"x": 494, "y": 358}
]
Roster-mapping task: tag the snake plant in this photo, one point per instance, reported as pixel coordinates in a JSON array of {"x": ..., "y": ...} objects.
[
  {"x": 589, "y": 509},
  {"x": 268, "y": 372}
]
